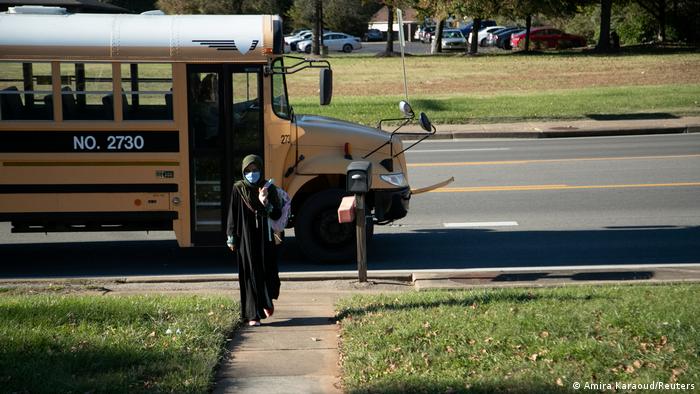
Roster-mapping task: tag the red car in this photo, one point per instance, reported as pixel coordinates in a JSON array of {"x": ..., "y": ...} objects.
[{"x": 548, "y": 37}]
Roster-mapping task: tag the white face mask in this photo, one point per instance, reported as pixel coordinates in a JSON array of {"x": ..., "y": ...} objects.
[{"x": 253, "y": 177}]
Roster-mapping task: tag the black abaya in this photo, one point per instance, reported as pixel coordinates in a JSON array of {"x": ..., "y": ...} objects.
[{"x": 256, "y": 254}]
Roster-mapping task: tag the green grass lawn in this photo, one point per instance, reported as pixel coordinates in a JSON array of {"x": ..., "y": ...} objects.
[
  {"x": 124, "y": 344},
  {"x": 661, "y": 101},
  {"x": 521, "y": 340},
  {"x": 506, "y": 88}
]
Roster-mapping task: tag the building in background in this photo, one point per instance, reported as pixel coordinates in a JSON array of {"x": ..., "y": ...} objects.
[{"x": 411, "y": 22}]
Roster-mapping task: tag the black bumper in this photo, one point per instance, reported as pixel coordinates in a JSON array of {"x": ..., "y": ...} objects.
[{"x": 391, "y": 204}]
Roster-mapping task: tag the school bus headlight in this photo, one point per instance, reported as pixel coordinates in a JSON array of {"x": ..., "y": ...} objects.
[{"x": 397, "y": 179}]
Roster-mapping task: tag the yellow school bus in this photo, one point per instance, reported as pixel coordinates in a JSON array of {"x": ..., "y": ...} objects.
[{"x": 140, "y": 122}]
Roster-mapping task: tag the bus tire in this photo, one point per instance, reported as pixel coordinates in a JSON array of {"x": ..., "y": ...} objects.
[{"x": 318, "y": 233}]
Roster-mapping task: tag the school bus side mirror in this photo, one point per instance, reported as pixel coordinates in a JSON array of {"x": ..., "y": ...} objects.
[{"x": 326, "y": 84}]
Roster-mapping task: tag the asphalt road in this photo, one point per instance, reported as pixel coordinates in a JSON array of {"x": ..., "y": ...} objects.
[{"x": 514, "y": 203}]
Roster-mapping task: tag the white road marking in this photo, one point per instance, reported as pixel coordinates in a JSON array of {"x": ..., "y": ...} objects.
[
  {"x": 457, "y": 150},
  {"x": 479, "y": 224}
]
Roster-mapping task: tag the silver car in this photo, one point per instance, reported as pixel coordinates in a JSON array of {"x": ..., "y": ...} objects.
[
  {"x": 334, "y": 42},
  {"x": 453, "y": 39}
]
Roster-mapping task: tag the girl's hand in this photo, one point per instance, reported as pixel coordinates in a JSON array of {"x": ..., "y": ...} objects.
[{"x": 262, "y": 196}]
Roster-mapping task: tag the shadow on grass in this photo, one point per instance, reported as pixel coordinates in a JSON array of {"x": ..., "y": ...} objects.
[
  {"x": 482, "y": 298},
  {"x": 632, "y": 50},
  {"x": 51, "y": 368},
  {"x": 581, "y": 276},
  {"x": 431, "y": 105},
  {"x": 638, "y": 116}
]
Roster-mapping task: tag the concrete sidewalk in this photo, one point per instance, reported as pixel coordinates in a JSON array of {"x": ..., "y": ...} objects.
[
  {"x": 568, "y": 128},
  {"x": 294, "y": 351}
]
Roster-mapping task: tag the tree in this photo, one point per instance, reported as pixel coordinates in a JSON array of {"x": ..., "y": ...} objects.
[
  {"x": 347, "y": 16},
  {"x": 659, "y": 10},
  {"x": 391, "y": 6},
  {"x": 604, "y": 36},
  {"x": 137, "y": 6},
  {"x": 478, "y": 10},
  {"x": 390, "y": 29},
  {"x": 222, "y": 6},
  {"x": 439, "y": 10},
  {"x": 436, "y": 45}
]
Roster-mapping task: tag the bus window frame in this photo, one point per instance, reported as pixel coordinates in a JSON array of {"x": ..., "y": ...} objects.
[
  {"x": 135, "y": 94},
  {"x": 26, "y": 89},
  {"x": 77, "y": 93}
]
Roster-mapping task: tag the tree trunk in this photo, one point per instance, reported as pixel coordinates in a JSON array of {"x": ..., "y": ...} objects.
[
  {"x": 390, "y": 30},
  {"x": 604, "y": 39},
  {"x": 474, "y": 47},
  {"x": 528, "y": 26},
  {"x": 436, "y": 45},
  {"x": 662, "y": 21},
  {"x": 318, "y": 30},
  {"x": 237, "y": 7}
]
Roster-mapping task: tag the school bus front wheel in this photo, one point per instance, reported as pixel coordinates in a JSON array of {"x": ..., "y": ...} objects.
[{"x": 320, "y": 236}]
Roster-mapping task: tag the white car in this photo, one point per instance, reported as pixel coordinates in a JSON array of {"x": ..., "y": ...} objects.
[
  {"x": 334, "y": 42},
  {"x": 484, "y": 34},
  {"x": 293, "y": 37},
  {"x": 453, "y": 39},
  {"x": 294, "y": 42}
]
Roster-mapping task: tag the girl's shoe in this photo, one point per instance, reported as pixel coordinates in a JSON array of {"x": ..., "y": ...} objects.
[
  {"x": 269, "y": 312},
  {"x": 254, "y": 323}
]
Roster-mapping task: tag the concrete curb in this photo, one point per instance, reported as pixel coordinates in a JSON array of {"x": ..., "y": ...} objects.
[
  {"x": 559, "y": 130},
  {"x": 421, "y": 279},
  {"x": 450, "y": 135},
  {"x": 400, "y": 276}
]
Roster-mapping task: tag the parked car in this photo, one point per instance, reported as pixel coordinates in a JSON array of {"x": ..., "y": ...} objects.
[
  {"x": 373, "y": 35},
  {"x": 503, "y": 38},
  {"x": 491, "y": 37},
  {"x": 427, "y": 33},
  {"x": 294, "y": 41},
  {"x": 417, "y": 33},
  {"x": 548, "y": 37},
  {"x": 294, "y": 36},
  {"x": 467, "y": 29},
  {"x": 334, "y": 42},
  {"x": 483, "y": 34},
  {"x": 453, "y": 39}
]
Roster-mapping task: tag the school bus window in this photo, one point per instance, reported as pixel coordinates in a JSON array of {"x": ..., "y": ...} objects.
[
  {"x": 204, "y": 110},
  {"x": 148, "y": 91},
  {"x": 247, "y": 135},
  {"x": 280, "y": 102},
  {"x": 25, "y": 91},
  {"x": 86, "y": 91}
]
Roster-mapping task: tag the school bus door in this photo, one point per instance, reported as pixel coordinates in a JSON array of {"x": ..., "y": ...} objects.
[{"x": 225, "y": 125}]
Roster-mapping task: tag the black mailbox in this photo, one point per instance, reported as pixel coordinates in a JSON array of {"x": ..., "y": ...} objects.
[{"x": 359, "y": 177}]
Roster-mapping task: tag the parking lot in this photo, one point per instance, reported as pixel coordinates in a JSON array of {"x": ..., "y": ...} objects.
[{"x": 414, "y": 48}]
